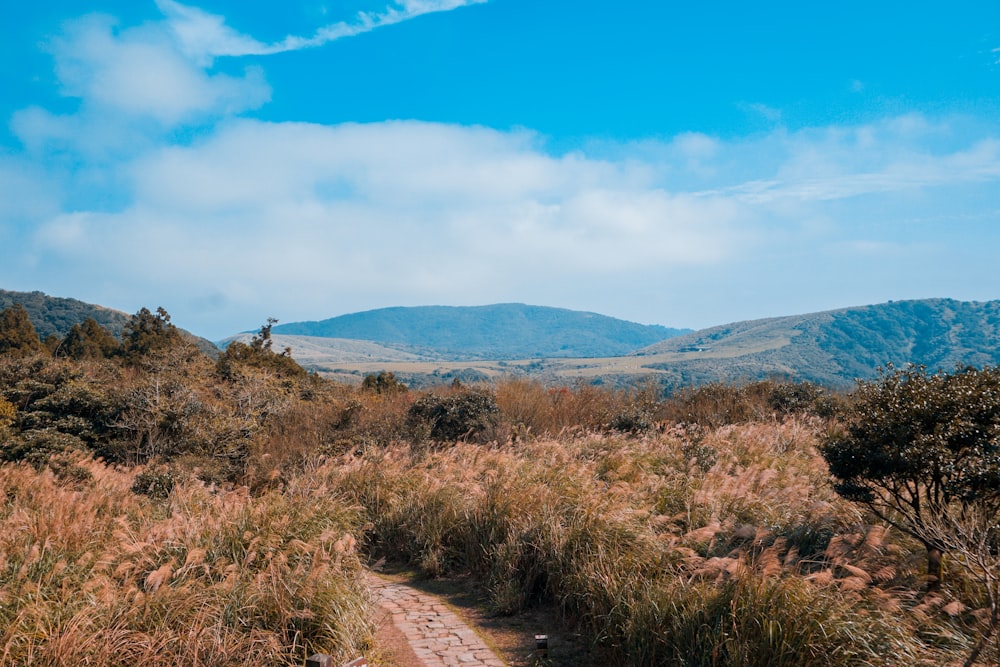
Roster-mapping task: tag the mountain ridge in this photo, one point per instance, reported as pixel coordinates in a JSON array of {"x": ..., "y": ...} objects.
[
  {"x": 496, "y": 331},
  {"x": 832, "y": 347},
  {"x": 837, "y": 346}
]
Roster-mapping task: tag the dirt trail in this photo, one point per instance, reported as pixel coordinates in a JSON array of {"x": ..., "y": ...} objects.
[{"x": 423, "y": 632}]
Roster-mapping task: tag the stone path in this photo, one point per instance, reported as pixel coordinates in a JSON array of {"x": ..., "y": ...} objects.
[{"x": 437, "y": 636}]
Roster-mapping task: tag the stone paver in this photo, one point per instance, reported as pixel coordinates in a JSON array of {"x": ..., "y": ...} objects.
[{"x": 436, "y": 634}]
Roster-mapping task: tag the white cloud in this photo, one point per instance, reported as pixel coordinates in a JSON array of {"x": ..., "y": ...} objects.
[
  {"x": 302, "y": 221},
  {"x": 140, "y": 72},
  {"x": 285, "y": 218}
]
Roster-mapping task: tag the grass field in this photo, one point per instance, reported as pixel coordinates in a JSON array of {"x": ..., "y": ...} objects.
[{"x": 696, "y": 530}]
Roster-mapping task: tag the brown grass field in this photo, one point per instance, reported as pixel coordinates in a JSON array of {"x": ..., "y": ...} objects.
[{"x": 696, "y": 530}]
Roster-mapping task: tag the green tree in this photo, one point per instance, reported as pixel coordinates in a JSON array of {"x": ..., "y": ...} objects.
[
  {"x": 918, "y": 447},
  {"x": 146, "y": 333},
  {"x": 258, "y": 353},
  {"x": 383, "y": 383},
  {"x": 17, "y": 335},
  {"x": 88, "y": 340}
]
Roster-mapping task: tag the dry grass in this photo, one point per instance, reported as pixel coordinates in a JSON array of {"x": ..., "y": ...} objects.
[
  {"x": 91, "y": 574},
  {"x": 699, "y": 547},
  {"x": 697, "y": 531}
]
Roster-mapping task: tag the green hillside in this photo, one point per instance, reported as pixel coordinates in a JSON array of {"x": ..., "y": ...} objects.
[
  {"x": 502, "y": 331},
  {"x": 836, "y": 347},
  {"x": 56, "y": 315}
]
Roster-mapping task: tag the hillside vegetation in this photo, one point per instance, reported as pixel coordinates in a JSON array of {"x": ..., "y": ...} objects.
[
  {"x": 55, "y": 316},
  {"x": 161, "y": 507},
  {"x": 832, "y": 348},
  {"x": 835, "y": 347}
]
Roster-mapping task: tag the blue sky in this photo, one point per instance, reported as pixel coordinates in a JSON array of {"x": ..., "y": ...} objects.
[{"x": 661, "y": 162}]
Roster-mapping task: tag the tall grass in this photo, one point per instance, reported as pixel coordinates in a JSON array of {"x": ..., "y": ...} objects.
[
  {"x": 660, "y": 558},
  {"x": 695, "y": 530},
  {"x": 92, "y": 574}
]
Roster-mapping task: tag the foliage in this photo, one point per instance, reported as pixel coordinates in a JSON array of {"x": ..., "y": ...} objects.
[
  {"x": 88, "y": 340},
  {"x": 7, "y": 413},
  {"x": 59, "y": 405},
  {"x": 918, "y": 444},
  {"x": 146, "y": 333},
  {"x": 17, "y": 334},
  {"x": 259, "y": 354},
  {"x": 713, "y": 538},
  {"x": 972, "y": 536},
  {"x": 464, "y": 415},
  {"x": 659, "y": 561},
  {"x": 382, "y": 383},
  {"x": 155, "y": 483},
  {"x": 55, "y": 316}
]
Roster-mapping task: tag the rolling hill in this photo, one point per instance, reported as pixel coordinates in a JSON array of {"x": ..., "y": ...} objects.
[
  {"x": 436, "y": 343},
  {"x": 501, "y": 331},
  {"x": 835, "y": 347}
]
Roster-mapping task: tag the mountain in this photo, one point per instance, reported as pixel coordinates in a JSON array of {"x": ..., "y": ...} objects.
[
  {"x": 501, "y": 331},
  {"x": 835, "y": 347},
  {"x": 56, "y": 315}
]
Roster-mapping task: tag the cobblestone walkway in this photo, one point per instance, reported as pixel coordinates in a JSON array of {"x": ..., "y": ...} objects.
[{"x": 437, "y": 636}]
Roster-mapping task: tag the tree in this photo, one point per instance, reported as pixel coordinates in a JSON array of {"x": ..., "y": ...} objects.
[
  {"x": 919, "y": 447},
  {"x": 88, "y": 340},
  {"x": 383, "y": 383},
  {"x": 146, "y": 333},
  {"x": 17, "y": 334},
  {"x": 259, "y": 354}
]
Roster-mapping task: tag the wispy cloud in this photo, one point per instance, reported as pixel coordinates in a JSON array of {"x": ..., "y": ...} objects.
[{"x": 204, "y": 36}]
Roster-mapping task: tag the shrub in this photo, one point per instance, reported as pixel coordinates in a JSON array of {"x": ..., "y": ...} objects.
[
  {"x": 7, "y": 413},
  {"x": 467, "y": 415},
  {"x": 383, "y": 383},
  {"x": 154, "y": 483},
  {"x": 633, "y": 419}
]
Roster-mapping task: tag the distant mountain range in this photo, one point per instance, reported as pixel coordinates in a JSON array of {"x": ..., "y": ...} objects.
[
  {"x": 501, "y": 331},
  {"x": 833, "y": 348},
  {"x": 435, "y": 343}
]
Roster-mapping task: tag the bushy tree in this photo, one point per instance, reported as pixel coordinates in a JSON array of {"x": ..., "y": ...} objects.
[
  {"x": 88, "y": 340},
  {"x": 146, "y": 333},
  {"x": 17, "y": 335},
  {"x": 59, "y": 405},
  {"x": 918, "y": 447},
  {"x": 258, "y": 353},
  {"x": 383, "y": 383}
]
